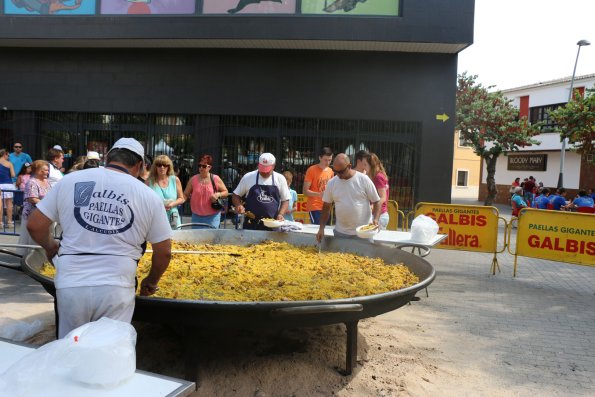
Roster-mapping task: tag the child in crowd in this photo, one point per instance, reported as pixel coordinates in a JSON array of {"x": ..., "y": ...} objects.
[
  {"x": 24, "y": 176},
  {"x": 293, "y": 196}
]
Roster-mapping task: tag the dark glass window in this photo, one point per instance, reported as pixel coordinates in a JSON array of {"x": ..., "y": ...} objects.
[
  {"x": 464, "y": 142},
  {"x": 542, "y": 113},
  {"x": 462, "y": 178}
]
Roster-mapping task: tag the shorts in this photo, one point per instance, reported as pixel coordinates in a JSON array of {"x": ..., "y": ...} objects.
[
  {"x": 315, "y": 217},
  {"x": 383, "y": 221},
  {"x": 213, "y": 220},
  {"x": 7, "y": 186}
]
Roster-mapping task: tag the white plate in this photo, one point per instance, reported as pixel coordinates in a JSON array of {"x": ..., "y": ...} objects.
[
  {"x": 366, "y": 233},
  {"x": 273, "y": 224}
]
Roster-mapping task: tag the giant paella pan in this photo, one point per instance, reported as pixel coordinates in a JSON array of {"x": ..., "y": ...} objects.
[{"x": 278, "y": 314}]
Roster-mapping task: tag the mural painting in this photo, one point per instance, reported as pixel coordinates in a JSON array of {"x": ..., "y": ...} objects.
[
  {"x": 248, "y": 7},
  {"x": 49, "y": 7},
  {"x": 140, "y": 7},
  {"x": 351, "y": 7}
]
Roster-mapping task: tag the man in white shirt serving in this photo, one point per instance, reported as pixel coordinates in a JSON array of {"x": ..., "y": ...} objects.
[
  {"x": 106, "y": 215},
  {"x": 352, "y": 192},
  {"x": 265, "y": 194}
]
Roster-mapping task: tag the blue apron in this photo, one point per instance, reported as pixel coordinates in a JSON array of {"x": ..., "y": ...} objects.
[{"x": 263, "y": 201}]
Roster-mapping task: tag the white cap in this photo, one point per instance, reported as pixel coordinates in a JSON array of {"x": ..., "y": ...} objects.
[
  {"x": 91, "y": 155},
  {"x": 130, "y": 144},
  {"x": 266, "y": 162},
  {"x": 58, "y": 147}
]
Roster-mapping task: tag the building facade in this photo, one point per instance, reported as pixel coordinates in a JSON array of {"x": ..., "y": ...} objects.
[
  {"x": 234, "y": 78},
  {"x": 543, "y": 161},
  {"x": 466, "y": 170}
]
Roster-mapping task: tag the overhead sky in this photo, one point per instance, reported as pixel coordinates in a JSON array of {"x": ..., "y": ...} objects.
[{"x": 522, "y": 42}]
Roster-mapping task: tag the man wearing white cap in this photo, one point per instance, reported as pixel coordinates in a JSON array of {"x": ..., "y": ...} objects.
[
  {"x": 265, "y": 194},
  {"x": 106, "y": 215}
]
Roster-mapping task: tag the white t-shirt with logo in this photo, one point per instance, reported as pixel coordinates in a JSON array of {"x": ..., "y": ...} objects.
[
  {"x": 105, "y": 216},
  {"x": 352, "y": 198},
  {"x": 249, "y": 180}
]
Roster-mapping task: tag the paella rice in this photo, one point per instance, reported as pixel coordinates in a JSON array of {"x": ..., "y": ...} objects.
[{"x": 272, "y": 271}]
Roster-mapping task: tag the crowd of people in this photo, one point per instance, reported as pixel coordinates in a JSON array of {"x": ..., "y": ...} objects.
[
  {"x": 107, "y": 213},
  {"x": 261, "y": 193},
  {"x": 530, "y": 194}
]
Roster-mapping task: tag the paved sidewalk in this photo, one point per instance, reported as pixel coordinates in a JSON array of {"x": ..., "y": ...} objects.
[{"x": 531, "y": 334}]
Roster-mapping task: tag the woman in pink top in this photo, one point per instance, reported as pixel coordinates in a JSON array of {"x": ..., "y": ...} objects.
[
  {"x": 202, "y": 190},
  {"x": 380, "y": 179},
  {"x": 35, "y": 190}
]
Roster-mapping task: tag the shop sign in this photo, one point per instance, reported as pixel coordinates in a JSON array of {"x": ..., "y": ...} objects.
[
  {"x": 557, "y": 235},
  {"x": 527, "y": 162},
  {"x": 468, "y": 227}
]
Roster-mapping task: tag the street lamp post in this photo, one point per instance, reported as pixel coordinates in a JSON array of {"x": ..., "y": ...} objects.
[{"x": 563, "y": 150}]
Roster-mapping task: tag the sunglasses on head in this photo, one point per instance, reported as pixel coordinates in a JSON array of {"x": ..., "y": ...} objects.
[
  {"x": 203, "y": 165},
  {"x": 341, "y": 171}
]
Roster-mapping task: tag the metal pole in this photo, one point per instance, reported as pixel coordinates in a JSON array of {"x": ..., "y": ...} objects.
[{"x": 563, "y": 150}]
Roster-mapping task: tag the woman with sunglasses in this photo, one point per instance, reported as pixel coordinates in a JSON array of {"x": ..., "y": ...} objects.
[
  {"x": 203, "y": 190},
  {"x": 167, "y": 186}
]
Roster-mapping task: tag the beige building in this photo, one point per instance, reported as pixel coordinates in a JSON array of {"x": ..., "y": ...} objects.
[{"x": 466, "y": 170}]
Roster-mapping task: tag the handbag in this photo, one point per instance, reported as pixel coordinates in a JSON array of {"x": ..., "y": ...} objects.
[
  {"x": 219, "y": 204},
  {"x": 173, "y": 220}
]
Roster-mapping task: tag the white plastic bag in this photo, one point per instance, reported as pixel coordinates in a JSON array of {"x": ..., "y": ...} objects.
[
  {"x": 103, "y": 352},
  {"x": 98, "y": 354},
  {"x": 423, "y": 229},
  {"x": 18, "y": 330}
]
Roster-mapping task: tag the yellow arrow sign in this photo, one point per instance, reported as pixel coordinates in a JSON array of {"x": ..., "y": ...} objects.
[{"x": 443, "y": 117}]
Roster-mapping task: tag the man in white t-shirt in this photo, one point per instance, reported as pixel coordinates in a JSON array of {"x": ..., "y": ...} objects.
[
  {"x": 352, "y": 192},
  {"x": 265, "y": 194},
  {"x": 55, "y": 159},
  {"x": 106, "y": 215}
]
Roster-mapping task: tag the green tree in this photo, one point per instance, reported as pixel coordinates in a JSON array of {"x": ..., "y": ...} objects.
[
  {"x": 576, "y": 121},
  {"x": 491, "y": 124}
]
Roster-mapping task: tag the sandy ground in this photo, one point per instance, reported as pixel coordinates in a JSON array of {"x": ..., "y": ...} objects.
[
  {"x": 407, "y": 352},
  {"x": 300, "y": 362}
]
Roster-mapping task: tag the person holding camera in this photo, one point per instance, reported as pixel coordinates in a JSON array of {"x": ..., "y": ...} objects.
[
  {"x": 168, "y": 187},
  {"x": 206, "y": 193}
]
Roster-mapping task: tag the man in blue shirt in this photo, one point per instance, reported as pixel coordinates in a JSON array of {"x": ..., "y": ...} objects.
[
  {"x": 583, "y": 200},
  {"x": 18, "y": 158},
  {"x": 558, "y": 200},
  {"x": 541, "y": 201}
]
